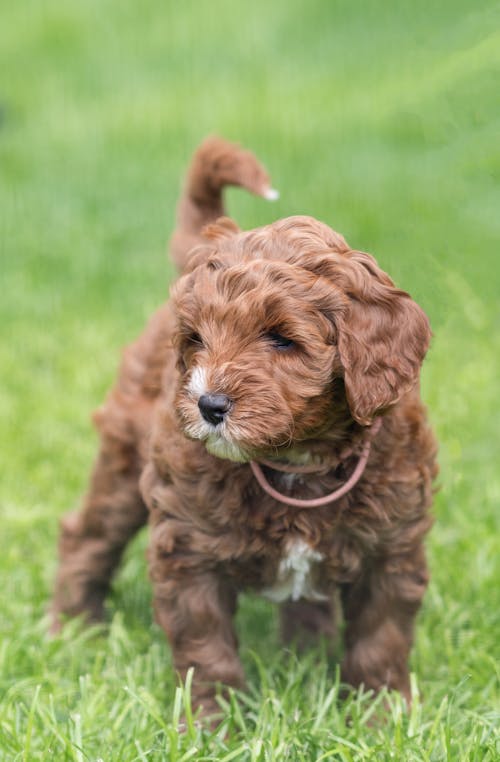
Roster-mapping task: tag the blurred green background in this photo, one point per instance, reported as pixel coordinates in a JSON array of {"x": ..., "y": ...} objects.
[{"x": 380, "y": 118}]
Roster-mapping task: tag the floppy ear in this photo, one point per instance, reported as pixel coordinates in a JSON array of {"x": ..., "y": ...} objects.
[
  {"x": 382, "y": 340},
  {"x": 382, "y": 334}
]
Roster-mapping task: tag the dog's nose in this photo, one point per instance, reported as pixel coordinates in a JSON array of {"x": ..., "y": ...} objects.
[{"x": 214, "y": 407}]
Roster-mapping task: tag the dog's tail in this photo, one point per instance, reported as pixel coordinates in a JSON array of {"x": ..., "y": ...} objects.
[{"x": 215, "y": 164}]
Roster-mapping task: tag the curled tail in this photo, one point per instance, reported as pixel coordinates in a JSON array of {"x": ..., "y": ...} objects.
[{"x": 215, "y": 164}]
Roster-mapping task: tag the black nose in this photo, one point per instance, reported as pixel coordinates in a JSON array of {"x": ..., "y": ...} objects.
[{"x": 214, "y": 407}]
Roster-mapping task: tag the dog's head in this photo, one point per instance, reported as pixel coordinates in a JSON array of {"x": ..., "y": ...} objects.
[{"x": 280, "y": 328}]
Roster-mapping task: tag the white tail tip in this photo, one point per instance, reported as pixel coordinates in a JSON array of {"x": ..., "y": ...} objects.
[{"x": 271, "y": 194}]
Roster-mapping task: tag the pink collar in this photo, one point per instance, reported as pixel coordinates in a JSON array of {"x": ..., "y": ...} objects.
[{"x": 316, "y": 502}]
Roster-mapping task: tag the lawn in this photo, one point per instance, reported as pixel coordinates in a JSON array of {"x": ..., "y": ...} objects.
[{"x": 380, "y": 118}]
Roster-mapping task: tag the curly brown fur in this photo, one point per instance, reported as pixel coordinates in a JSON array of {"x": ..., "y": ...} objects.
[
  {"x": 308, "y": 341},
  {"x": 215, "y": 164}
]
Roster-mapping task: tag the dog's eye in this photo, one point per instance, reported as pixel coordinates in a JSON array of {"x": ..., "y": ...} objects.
[
  {"x": 195, "y": 339},
  {"x": 279, "y": 341}
]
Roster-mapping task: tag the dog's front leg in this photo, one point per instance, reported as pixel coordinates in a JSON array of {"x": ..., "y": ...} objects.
[
  {"x": 195, "y": 608},
  {"x": 379, "y": 612}
]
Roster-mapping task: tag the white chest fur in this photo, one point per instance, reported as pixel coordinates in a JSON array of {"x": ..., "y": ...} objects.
[{"x": 295, "y": 575}]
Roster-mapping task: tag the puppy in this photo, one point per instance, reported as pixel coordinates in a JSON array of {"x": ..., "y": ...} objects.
[{"x": 268, "y": 423}]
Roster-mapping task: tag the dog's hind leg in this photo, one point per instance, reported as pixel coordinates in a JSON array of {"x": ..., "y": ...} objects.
[
  {"x": 305, "y": 623},
  {"x": 92, "y": 540}
]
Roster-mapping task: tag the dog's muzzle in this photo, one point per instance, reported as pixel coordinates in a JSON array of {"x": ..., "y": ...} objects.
[{"x": 213, "y": 407}]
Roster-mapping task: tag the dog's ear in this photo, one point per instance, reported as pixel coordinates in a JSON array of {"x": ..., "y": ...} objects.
[
  {"x": 382, "y": 339},
  {"x": 381, "y": 333}
]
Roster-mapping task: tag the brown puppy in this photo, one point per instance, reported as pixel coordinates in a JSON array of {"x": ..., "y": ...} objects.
[{"x": 284, "y": 347}]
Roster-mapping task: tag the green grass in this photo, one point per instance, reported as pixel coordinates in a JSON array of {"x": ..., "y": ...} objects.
[{"x": 380, "y": 118}]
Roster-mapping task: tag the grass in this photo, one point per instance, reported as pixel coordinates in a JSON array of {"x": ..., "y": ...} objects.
[{"x": 380, "y": 118}]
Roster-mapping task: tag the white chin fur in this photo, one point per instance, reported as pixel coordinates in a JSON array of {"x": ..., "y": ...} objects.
[
  {"x": 221, "y": 448},
  {"x": 215, "y": 443},
  {"x": 215, "y": 438}
]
